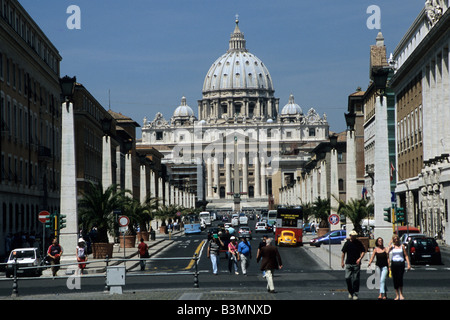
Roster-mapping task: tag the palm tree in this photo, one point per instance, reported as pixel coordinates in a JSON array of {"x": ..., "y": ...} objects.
[
  {"x": 308, "y": 211},
  {"x": 322, "y": 209},
  {"x": 356, "y": 210},
  {"x": 167, "y": 212},
  {"x": 140, "y": 214},
  {"x": 96, "y": 207}
]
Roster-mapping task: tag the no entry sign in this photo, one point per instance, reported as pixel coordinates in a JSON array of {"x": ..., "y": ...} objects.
[{"x": 44, "y": 216}]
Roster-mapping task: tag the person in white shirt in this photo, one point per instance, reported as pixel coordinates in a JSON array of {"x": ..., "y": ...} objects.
[{"x": 397, "y": 265}]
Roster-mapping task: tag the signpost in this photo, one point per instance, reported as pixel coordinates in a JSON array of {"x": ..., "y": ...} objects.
[
  {"x": 333, "y": 219},
  {"x": 44, "y": 217},
  {"x": 124, "y": 221}
]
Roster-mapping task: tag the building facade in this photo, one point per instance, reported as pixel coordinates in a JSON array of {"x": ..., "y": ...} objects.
[
  {"x": 422, "y": 86},
  {"x": 242, "y": 147},
  {"x": 30, "y": 125}
]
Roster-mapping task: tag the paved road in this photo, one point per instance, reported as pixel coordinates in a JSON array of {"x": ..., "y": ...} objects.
[{"x": 305, "y": 276}]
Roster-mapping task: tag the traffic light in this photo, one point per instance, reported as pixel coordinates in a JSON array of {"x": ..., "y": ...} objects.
[
  {"x": 61, "y": 221},
  {"x": 387, "y": 214},
  {"x": 50, "y": 224},
  {"x": 399, "y": 215}
]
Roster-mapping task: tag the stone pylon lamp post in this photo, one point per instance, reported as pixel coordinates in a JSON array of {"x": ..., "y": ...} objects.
[
  {"x": 334, "y": 184},
  {"x": 68, "y": 236},
  {"x": 382, "y": 188},
  {"x": 351, "y": 191}
]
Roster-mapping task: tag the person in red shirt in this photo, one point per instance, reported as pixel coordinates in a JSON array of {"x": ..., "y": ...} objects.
[
  {"x": 143, "y": 253},
  {"x": 54, "y": 254}
]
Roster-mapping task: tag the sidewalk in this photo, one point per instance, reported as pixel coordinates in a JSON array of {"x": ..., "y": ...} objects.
[
  {"x": 95, "y": 266},
  {"x": 331, "y": 261}
]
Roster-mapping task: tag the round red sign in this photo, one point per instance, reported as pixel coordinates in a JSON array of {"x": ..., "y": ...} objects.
[
  {"x": 44, "y": 216},
  {"x": 333, "y": 219},
  {"x": 123, "y": 221}
]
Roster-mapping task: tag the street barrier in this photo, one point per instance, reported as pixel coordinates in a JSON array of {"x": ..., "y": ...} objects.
[{"x": 107, "y": 262}]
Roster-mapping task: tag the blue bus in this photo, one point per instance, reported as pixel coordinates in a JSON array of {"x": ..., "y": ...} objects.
[{"x": 191, "y": 224}]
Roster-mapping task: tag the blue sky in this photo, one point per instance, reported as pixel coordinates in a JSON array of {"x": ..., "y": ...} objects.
[{"x": 142, "y": 56}]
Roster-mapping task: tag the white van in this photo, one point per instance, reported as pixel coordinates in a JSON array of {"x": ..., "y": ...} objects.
[
  {"x": 206, "y": 216},
  {"x": 243, "y": 219}
]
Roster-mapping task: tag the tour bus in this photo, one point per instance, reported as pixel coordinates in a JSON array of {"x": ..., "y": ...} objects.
[
  {"x": 271, "y": 217},
  {"x": 290, "y": 219},
  {"x": 192, "y": 224},
  {"x": 206, "y": 216}
]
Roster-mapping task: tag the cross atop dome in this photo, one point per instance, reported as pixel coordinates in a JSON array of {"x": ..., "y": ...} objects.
[{"x": 237, "y": 41}]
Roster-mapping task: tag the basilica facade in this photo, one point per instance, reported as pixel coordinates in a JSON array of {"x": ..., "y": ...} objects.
[{"x": 241, "y": 149}]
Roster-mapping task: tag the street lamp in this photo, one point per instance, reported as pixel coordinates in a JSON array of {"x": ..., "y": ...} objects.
[
  {"x": 333, "y": 140},
  {"x": 350, "y": 119},
  {"x": 67, "y": 87},
  {"x": 127, "y": 145},
  {"x": 379, "y": 77},
  {"x": 106, "y": 125}
]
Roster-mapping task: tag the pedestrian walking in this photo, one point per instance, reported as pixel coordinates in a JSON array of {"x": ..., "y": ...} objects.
[
  {"x": 54, "y": 254},
  {"x": 143, "y": 253},
  {"x": 233, "y": 256},
  {"x": 213, "y": 252},
  {"x": 245, "y": 254},
  {"x": 399, "y": 255},
  {"x": 262, "y": 244},
  {"x": 81, "y": 255},
  {"x": 382, "y": 265},
  {"x": 271, "y": 261},
  {"x": 352, "y": 251}
]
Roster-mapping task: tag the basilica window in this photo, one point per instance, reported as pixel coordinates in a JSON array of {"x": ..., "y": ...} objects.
[
  {"x": 312, "y": 132},
  {"x": 159, "y": 135}
]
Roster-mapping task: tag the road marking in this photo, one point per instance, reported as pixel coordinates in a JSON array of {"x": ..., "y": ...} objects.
[{"x": 191, "y": 263}]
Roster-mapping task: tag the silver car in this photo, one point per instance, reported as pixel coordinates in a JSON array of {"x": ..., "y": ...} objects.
[{"x": 27, "y": 258}]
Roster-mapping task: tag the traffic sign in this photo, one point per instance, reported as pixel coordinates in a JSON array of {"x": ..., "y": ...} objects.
[
  {"x": 44, "y": 216},
  {"x": 123, "y": 221},
  {"x": 333, "y": 219}
]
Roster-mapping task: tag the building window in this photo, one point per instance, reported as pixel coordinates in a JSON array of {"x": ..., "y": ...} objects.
[
  {"x": 159, "y": 135},
  {"x": 312, "y": 132}
]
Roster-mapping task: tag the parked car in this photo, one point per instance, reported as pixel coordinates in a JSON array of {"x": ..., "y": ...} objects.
[
  {"x": 335, "y": 237},
  {"x": 287, "y": 238},
  {"x": 245, "y": 232},
  {"x": 26, "y": 257},
  {"x": 424, "y": 249},
  {"x": 261, "y": 227},
  {"x": 407, "y": 237}
]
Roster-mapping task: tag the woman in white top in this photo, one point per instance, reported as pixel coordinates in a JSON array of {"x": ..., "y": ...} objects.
[
  {"x": 399, "y": 255},
  {"x": 81, "y": 255}
]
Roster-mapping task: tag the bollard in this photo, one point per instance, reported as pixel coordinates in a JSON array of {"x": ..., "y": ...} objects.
[
  {"x": 15, "y": 291},
  {"x": 196, "y": 271},
  {"x": 106, "y": 289}
]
